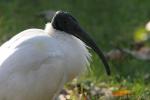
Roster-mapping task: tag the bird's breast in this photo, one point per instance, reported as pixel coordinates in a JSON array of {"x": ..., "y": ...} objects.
[{"x": 75, "y": 54}]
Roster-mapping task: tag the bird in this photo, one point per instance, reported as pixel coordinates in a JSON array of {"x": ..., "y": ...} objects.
[{"x": 36, "y": 63}]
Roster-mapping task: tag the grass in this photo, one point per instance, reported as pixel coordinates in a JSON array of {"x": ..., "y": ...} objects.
[{"x": 107, "y": 21}]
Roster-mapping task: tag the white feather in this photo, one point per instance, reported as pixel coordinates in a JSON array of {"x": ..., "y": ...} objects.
[{"x": 35, "y": 64}]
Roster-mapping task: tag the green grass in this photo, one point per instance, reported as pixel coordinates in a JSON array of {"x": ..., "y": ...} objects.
[{"x": 107, "y": 21}]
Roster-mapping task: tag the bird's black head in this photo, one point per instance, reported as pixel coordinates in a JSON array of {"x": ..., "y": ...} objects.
[{"x": 63, "y": 21}]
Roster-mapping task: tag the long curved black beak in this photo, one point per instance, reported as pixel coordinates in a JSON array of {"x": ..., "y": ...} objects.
[
  {"x": 81, "y": 34},
  {"x": 63, "y": 21}
]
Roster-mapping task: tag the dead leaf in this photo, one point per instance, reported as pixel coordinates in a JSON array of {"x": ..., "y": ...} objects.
[
  {"x": 121, "y": 93},
  {"x": 114, "y": 54}
]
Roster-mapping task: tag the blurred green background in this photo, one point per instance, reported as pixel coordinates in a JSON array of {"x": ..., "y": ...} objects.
[{"x": 108, "y": 21}]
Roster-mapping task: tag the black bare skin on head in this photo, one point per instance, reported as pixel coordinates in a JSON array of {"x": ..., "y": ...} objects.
[{"x": 63, "y": 21}]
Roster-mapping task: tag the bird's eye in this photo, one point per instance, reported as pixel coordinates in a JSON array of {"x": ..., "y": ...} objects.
[{"x": 65, "y": 22}]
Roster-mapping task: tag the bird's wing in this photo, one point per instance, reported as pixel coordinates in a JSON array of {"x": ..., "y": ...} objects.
[
  {"x": 23, "y": 36},
  {"x": 31, "y": 65}
]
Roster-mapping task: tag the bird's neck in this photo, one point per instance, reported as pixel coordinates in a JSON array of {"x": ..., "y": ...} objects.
[
  {"x": 49, "y": 28},
  {"x": 56, "y": 33}
]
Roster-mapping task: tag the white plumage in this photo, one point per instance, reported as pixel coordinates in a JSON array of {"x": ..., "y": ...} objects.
[{"x": 36, "y": 63}]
